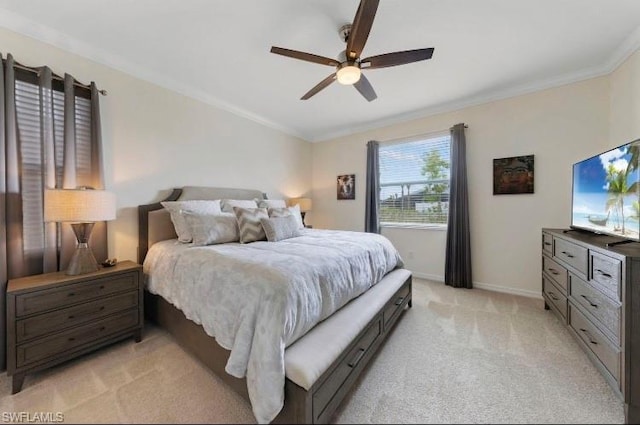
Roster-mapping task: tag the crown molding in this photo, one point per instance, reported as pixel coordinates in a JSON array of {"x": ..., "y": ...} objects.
[{"x": 19, "y": 24}]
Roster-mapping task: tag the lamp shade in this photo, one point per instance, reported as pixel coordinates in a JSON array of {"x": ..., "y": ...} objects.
[
  {"x": 79, "y": 205},
  {"x": 304, "y": 203}
]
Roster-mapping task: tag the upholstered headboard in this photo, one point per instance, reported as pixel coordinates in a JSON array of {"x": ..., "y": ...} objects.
[{"x": 154, "y": 222}]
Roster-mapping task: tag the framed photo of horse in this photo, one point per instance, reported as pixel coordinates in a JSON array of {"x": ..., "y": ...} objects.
[{"x": 346, "y": 186}]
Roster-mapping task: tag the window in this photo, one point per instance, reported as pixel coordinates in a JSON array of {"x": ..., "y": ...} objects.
[
  {"x": 414, "y": 181},
  {"x": 28, "y": 111}
]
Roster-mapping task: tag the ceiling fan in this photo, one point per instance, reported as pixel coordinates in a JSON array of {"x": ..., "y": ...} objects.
[{"x": 349, "y": 66}]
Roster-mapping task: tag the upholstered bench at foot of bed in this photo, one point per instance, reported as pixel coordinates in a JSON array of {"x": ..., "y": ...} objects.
[{"x": 327, "y": 361}]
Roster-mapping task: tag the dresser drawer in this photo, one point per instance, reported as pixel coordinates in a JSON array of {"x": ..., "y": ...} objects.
[
  {"x": 606, "y": 273},
  {"x": 601, "y": 307},
  {"x": 556, "y": 272},
  {"x": 547, "y": 243},
  {"x": 47, "y": 347},
  {"x": 70, "y": 294},
  {"x": 597, "y": 342},
  {"x": 329, "y": 389},
  {"x": 555, "y": 296},
  {"x": 396, "y": 305},
  {"x": 71, "y": 316},
  {"x": 573, "y": 255}
]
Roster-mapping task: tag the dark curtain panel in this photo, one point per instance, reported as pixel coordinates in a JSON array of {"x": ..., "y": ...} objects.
[
  {"x": 457, "y": 268},
  {"x": 32, "y": 159},
  {"x": 372, "y": 208}
]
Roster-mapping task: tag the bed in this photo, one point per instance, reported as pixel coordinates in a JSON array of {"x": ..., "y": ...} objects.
[{"x": 320, "y": 356}]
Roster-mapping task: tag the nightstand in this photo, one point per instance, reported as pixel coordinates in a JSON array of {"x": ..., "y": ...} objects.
[{"x": 53, "y": 317}]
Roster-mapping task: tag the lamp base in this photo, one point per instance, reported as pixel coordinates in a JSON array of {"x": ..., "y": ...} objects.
[{"x": 83, "y": 260}]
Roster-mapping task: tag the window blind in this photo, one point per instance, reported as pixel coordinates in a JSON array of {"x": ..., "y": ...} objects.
[
  {"x": 29, "y": 111},
  {"x": 414, "y": 181}
]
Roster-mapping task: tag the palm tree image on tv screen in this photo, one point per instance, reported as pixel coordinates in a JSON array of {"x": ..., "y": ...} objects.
[{"x": 606, "y": 192}]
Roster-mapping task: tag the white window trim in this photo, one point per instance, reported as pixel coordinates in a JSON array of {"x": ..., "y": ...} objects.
[{"x": 414, "y": 226}]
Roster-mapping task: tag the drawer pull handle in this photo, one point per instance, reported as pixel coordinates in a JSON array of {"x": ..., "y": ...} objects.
[
  {"x": 589, "y": 301},
  {"x": 356, "y": 359},
  {"x": 71, "y": 294},
  {"x": 547, "y": 243},
  {"x": 589, "y": 337},
  {"x": 604, "y": 273},
  {"x": 554, "y": 271},
  {"x": 73, "y": 316},
  {"x": 567, "y": 254},
  {"x": 101, "y": 286},
  {"x": 399, "y": 300},
  {"x": 553, "y": 296}
]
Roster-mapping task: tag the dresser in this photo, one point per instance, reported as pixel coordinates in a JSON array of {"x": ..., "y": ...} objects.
[
  {"x": 594, "y": 288},
  {"x": 53, "y": 317}
]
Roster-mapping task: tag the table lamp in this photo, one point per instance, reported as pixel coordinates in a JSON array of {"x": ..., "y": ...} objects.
[
  {"x": 81, "y": 208},
  {"x": 304, "y": 203}
]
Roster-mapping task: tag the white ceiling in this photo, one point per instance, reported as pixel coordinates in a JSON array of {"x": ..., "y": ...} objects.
[{"x": 218, "y": 51}]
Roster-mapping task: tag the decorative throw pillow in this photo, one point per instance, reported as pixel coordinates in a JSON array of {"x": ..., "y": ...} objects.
[
  {"x": 228, "y": 204},
  {"x": 249, "y": 223},
  {"x": 271, "y": 203},
  {"x": 283, "y": 212},
  {"x": 279, "y": 228},
  {"x": 176, "y": 208},
  {"x": 208, "y": 229}
]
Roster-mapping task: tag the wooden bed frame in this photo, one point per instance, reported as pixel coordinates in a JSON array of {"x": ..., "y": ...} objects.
[{"x": 319, "y": 403}]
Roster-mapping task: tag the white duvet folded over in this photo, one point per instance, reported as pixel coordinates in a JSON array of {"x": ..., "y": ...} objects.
[{"x": 258, "y": 298}]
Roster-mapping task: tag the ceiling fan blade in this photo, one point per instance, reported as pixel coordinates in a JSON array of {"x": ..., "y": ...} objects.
[
  {"x": 321, "y": 85},
  {"x": 361, "y": 27},
  {"x": 396, "y": 58},
  {"x": 304, "y": 56},
  {"x": 364, "y": 87}
]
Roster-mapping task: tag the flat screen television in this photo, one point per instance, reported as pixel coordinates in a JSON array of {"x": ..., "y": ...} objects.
[{"x": 606, "y": 193}]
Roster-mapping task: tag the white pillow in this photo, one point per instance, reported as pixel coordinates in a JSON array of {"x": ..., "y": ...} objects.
[
  {"x": 228, "y": 204},
  {"x": 271, "y": 203},
  {"x": 283, "y": 212},
  {"x": 208, "y": 229},
  {"x": 176, "y": 208},
  {"x": 279, "y": 228}
]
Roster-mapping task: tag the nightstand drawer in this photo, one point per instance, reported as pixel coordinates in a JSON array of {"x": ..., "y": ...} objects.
[
  {"x": 65, "y": 341},
  {"x": 55, "y": 298},
  {"x": 71, "y": 316},
  {"x": 606, "y": 275}
]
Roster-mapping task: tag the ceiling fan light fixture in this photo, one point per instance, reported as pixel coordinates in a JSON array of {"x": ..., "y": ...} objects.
[{"x": 348, "y": 74}]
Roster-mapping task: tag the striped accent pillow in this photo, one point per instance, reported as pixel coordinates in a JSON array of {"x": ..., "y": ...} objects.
[{"x": 249, "y": 223}]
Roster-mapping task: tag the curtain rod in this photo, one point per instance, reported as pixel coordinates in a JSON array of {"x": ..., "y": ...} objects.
[{"x": 55, "y": 76}]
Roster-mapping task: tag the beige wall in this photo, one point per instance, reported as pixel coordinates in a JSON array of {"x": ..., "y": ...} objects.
[
  {"x": 559, "y": 126},
  {"x": 625, "y": 102},
  {"x": 156, "y": 139}
]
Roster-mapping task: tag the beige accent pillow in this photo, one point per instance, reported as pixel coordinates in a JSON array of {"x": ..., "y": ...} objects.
[
  {"x": 249, "y": 223},
  {"x": 176, "y": 208},
  {"x": 279, "y": 228},
  {"x": 209, "y": 229},
  {"x": 282, "y": 212}
]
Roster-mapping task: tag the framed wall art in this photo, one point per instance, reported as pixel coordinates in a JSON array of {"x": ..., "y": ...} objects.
[
  {"x": 513, "y": 175},
  {"x": 346, "y": 186}
]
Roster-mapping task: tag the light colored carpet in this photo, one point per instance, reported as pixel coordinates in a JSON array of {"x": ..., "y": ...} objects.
[{"x": 458, "y": 356}]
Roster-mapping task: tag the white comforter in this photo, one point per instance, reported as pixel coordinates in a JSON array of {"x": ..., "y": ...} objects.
[{"x": 258, "y": 298}]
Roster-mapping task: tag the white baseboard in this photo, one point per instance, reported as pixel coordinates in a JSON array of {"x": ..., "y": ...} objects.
[{"x": 485, "y": 286}]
